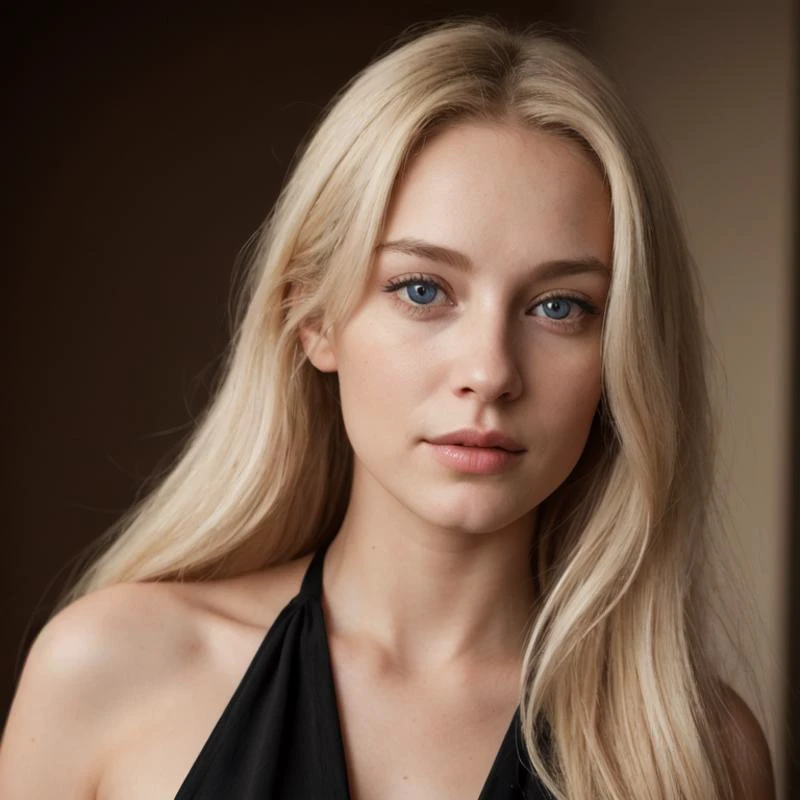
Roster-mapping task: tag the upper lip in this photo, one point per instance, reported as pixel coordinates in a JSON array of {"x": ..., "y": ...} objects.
[{"x": 475, "y": 438}]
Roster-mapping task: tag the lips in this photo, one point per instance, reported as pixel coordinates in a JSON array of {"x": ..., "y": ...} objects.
[{"x": 470, "y": 437}]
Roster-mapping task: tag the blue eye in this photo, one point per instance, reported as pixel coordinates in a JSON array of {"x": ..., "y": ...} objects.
[
  {"x": 557, "y": 308},
  {"x": 422, "y": 291}
]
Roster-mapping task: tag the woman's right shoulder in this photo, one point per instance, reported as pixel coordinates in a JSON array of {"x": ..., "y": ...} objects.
[
  {"x": 102, "y": 659},
  {"x": 119, "y": 634},
  {"x": 87, "y": 668}
]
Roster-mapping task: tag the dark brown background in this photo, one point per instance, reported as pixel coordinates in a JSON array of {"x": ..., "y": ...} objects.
[{"x": 143, "y": 150}]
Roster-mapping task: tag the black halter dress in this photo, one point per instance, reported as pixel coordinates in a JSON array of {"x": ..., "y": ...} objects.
[{"x": 279, "y": 736}]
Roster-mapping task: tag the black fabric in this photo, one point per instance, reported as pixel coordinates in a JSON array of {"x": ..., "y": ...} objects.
[{"x": 279, "y": 736}]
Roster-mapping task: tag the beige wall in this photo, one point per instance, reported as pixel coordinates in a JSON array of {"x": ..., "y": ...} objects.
[{"x": 714, "y": 85}]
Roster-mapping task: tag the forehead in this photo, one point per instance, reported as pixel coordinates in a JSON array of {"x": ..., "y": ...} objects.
[{"x": 501, "y": 191}]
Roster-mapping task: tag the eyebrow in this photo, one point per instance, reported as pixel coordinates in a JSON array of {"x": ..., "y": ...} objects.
[{"x": 555, "y": 268}]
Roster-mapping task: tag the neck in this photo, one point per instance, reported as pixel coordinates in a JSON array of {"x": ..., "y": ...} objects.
[{"x": 429, "y": 597}]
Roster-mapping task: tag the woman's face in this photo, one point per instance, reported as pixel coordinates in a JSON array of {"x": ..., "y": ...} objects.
[{"x": 504, "y": 237}]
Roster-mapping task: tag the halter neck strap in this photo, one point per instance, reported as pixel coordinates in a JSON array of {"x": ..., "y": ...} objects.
[{"x": 312, "y": 580}]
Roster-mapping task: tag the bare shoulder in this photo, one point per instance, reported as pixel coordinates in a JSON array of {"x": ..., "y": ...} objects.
[
  {"x": 101, "y": 662},
  {"x": 116, "y": 636},
  {"x": 89, "y": 662},
  {"x": 746, "y": 749}
]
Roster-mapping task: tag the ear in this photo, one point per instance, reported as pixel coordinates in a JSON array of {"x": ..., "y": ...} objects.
[{"x": 318, "y": 346}]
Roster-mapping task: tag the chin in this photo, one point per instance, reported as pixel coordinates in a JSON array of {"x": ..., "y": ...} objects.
[{"x": 457, "y": 516}]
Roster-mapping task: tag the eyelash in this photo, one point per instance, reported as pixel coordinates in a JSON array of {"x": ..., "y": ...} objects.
[{"x": 416, "y": 310}]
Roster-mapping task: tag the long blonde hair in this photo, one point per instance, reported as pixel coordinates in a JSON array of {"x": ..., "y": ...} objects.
[{"x": 618, "y": 699}]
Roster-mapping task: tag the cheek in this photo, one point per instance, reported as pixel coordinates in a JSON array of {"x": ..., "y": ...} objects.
[
  {"x": 568, "y": 384},
  {"x": 375, "y": 365},
  {"x": 381, "y": 380},
  {"x": 385, "y": 357}
]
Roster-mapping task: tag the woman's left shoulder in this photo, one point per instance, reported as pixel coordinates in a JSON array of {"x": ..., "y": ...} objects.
[{"x": 746, "y": 749}]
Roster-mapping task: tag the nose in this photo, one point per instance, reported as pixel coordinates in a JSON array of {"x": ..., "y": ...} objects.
[{"x": 485, "y": 363}]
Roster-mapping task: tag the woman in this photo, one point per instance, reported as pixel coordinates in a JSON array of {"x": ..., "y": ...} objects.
[{"x": 468, "y": 381}]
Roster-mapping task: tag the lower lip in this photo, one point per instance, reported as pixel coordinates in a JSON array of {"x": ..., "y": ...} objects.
[{"x": 479, "y": 460}]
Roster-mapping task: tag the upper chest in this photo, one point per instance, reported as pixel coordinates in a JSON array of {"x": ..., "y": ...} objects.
[
  {"x": 401, "y": 737},
  {"x": 401, "y": 740},
  {"x": 420, "y": 738}
]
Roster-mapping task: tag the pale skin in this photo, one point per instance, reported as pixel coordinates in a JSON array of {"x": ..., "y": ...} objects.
[{"x": 426, "y": 586}]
